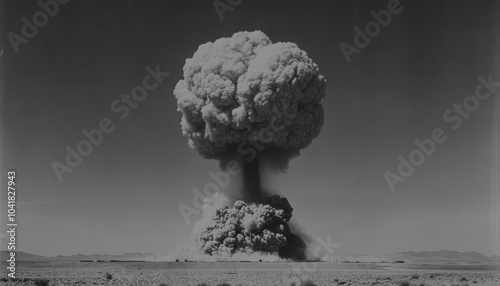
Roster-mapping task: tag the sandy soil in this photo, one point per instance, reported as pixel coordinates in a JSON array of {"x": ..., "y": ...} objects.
[{"x": 249, "y": 273}]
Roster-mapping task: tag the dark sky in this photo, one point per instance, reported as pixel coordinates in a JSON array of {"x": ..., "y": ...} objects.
[{"x": 124, "y": 196}]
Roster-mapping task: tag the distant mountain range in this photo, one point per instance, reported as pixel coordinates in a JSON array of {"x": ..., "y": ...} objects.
[
  {"x": 446, "y": 256},
  {"x": 421, "y": 257},
  {"x": 25, "y": 256}
]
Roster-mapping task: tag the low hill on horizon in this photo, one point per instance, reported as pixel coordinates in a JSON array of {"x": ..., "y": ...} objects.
[
  {"x": 25, "y": 256},
  {"x": 424, "y": 257},
  {"x": 445, "y": 256}
]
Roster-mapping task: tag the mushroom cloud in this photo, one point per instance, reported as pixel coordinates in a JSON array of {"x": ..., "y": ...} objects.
[{"x": 247, "y": 91}]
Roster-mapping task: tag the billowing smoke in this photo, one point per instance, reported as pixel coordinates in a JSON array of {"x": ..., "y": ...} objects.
[
  {"x": 248, "y": 228},
  {"x": 246, "y": 91}
]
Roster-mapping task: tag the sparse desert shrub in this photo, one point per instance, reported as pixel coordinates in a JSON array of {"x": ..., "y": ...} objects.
[
  {"x": 108, "y": 276},
  {"x": 224, "y": 284},
  {"x": 463, "y": 278},
  {"x": 41, "y": 282},
  {"x": 4, "y": 279},
  {"x": 415, "y": 276},
  {"x": 201, "y": 284},
  {"x": 342, "y": 282},
  {"x": 422, "y": 284},
  {"x": 404, "y": 283},
  {"x": 336, "y": 280},
  {"x": 307, "y": 283}
]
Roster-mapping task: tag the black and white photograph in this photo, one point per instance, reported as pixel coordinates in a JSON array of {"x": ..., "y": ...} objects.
[{"x": 250, "y": 142}]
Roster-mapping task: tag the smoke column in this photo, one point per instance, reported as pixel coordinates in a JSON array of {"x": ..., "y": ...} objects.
[
  {"x": 242, "y": 92},
  {"x": 251, "y": 180}
]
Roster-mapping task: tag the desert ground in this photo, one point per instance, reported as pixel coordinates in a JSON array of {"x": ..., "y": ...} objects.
[{"x": 251, "y": 273}]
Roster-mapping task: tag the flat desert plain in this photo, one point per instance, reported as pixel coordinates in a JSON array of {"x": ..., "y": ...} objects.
[{"x": 250, "y": 273}]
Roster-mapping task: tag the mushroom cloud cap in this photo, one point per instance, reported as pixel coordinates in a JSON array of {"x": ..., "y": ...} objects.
[{"x": 246, "y": 89}]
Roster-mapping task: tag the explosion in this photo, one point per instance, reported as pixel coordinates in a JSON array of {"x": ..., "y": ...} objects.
[
  {"x": 248, "y": 228},
  {"x": 247, "y": 91}
]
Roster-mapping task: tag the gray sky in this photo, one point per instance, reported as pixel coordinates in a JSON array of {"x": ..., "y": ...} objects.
[{"x": 124, "y": 196}]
